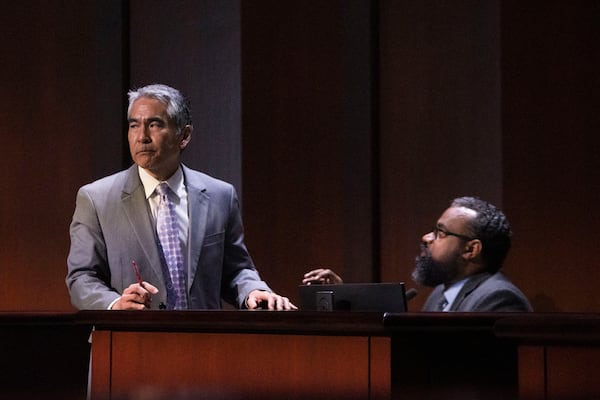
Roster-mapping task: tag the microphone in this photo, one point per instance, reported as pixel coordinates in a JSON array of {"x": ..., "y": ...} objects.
[{"x": 410, "y": 294}]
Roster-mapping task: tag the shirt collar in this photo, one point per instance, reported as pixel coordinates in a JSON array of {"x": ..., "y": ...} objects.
[{"x": 175, "y": 182}]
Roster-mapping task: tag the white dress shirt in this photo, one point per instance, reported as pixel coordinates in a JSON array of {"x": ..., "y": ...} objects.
[{"x": 177, "y": 186}]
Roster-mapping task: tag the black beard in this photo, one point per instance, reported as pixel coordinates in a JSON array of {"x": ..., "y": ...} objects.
[{"x": 429, "y": 272}]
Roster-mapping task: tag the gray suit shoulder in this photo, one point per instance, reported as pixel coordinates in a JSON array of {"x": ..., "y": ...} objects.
[
  {"x": 497, "y": 293},
  {"x": 106, "y": 183},
  {"x": 203, "y": 180}
]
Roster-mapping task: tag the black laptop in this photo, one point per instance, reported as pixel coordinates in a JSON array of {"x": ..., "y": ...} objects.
[{"x": 379, "y": 297}]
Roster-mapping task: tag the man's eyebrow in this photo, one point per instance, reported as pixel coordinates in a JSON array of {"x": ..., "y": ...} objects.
[{"x": 151, "y": 119}]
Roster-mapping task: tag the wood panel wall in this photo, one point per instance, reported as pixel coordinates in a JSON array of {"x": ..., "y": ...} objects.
[
  {"x": 551, "y": 174},
  {"x": 195, "y": 46},
  {"x": 60, "y": 85},
  {"x": 347, "y": 127},
  {"x": 307, "y": 139},
  {"x": 440, "y": 119}
]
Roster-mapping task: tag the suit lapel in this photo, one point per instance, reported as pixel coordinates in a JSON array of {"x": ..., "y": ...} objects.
[
  {"x": 137, "y": 210},
  {"x": 434, "y": 299},
  {"x": 467, "y": 288},
  {"x": 198, "y": 210}
]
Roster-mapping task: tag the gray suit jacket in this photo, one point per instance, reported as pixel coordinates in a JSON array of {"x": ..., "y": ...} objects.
[
  {"x": 112, "y": 226},
  {"x": 483, "y": 293}
]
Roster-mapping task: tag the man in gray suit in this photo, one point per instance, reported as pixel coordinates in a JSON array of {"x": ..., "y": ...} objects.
[
  {"x": 116, "y": 259},
  {"x": 461, "y": 257}
]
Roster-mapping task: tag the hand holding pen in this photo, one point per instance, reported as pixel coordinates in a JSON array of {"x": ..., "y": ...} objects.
[
  {"x": 137, "y": 296},
  {"x": 137, "y": 273}
]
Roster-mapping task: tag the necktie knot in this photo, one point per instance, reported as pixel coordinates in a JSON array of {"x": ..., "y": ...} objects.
[
  {"x": 443, "y": 304},
  {"x": 163, "y": 189}
]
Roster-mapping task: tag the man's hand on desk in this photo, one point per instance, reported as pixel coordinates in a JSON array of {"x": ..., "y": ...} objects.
[{"x": 271, "y": 301}]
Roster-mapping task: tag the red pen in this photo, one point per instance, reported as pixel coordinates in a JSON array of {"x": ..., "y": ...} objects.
[{"x": 137, "y": 272}]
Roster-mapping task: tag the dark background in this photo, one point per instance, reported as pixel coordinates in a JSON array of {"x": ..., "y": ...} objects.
[{"x": 346, "y": 126}]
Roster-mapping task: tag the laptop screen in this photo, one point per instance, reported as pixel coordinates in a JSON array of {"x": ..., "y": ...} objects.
[{"x": 380, "y": 297}]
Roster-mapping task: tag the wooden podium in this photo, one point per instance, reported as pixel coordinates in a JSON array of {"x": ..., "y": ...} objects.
[
  {"x": 298, "y": 355},
  {"x": 239, "y": 355}
]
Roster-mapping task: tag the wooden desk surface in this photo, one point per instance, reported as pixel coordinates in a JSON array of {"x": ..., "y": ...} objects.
[
  {"x": 441, "y": 354},
  {"x": 234, "y": 321}
]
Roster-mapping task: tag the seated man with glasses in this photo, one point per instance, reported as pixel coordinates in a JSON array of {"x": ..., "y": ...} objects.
[{"x": 461, "y": 257}]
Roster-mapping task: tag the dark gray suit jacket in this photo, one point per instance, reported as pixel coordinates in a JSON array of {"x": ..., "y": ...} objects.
[
  {"x": 112, "y": 226},
  {"x": 483, "y": 293}
]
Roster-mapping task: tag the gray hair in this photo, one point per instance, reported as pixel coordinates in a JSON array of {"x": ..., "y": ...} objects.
[{"x": 178, "y": 107}]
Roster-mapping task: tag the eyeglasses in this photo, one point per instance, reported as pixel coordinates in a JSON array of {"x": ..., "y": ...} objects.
[{"x": 439, "y": 233}]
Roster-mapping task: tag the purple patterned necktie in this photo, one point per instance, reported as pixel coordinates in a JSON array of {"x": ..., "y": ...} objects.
[{"x": 168, "y": 235}]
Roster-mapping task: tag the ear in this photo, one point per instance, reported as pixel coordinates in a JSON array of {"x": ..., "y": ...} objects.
[
  {"x": 472, "y": 249},
  {"x": 186, "y": 136}
]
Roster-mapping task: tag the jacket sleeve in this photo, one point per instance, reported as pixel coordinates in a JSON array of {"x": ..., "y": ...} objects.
[
  {"x": 88, "y": 273},
  {"x": 240, "y": 276}
]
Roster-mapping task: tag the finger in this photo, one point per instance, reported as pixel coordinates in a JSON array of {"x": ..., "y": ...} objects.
[
  {"x": 271, "y": 302},
  {"x": 134, "y": 298},
  {"x": 323, "y": 275},
  {"x": 140, "y": 297},
  {"x": 285, "y": 303},
  {"x": 315, "y": 277},
  {"x": 148, "y": 302},
  {"x": 133, "y": 288},
  {"x": 315, "y": 273},
  {"x": 150, "y": 288},
  {"x": 126, "y": 303},
  {"x": 311, "y": 273},
  {"x": 251, "y": 303},
  {"x": 282, "y": 303},
  {"x": 279, "y": 303}
]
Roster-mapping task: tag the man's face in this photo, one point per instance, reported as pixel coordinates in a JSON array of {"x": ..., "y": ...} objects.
[
  {"x": 154, "y": 142},
  {"x": 441, "y": 258}
]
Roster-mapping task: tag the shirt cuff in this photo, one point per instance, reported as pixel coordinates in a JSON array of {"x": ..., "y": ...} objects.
[{"x": 112, "y": 303}]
